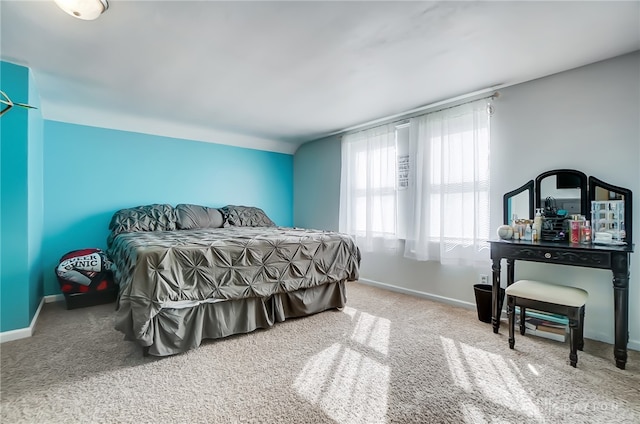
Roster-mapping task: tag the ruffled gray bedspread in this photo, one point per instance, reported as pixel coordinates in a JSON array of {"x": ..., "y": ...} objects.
[{"x": 174, "y": 270}]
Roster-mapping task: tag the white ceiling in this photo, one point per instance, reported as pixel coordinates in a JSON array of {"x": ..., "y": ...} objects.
[{"x": 273, "y": 75}]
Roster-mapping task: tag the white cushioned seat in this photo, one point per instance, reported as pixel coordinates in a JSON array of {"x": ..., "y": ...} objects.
[
  {"x": 546, "y": 292},
  {"x": 546, "y": 297}
]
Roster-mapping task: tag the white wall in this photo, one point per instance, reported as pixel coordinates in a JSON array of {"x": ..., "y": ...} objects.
[
  {"x": 316, "y": 184},
  {"x": 586, "y": 119}
]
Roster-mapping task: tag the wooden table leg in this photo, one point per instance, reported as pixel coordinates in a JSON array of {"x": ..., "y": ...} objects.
[
  {"x": 511, "y": 271},
  {"x": 620, "y": 268},
  {"x": 495, "y": 292}
]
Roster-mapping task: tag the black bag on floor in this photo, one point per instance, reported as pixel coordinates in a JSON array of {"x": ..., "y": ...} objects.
[{"x": 85, "y": 278}]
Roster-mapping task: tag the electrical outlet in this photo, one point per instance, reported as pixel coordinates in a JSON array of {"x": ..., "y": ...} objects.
[{"x": 484, "y": 279}]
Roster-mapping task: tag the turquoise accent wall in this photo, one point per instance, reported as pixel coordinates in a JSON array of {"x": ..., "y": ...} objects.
[
  {"x": 89, "y": 173},
  {"x": 21, "y": 202},
  {"x": 14, "y": 311}
]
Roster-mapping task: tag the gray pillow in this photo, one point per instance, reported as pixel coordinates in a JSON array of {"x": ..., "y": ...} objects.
[
  {"x": 195, "y": 216},
  {"x": 154, "y": 217},
  {"x": 245, "y": 216}
]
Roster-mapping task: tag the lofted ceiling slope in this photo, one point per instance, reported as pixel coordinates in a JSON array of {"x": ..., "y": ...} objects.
[{"x": 272, "y": 75}]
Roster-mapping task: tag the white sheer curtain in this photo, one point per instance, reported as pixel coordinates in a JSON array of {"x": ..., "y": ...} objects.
[
  {"x": 449, "y": 185},
  {"x": 368, "y": 206}
]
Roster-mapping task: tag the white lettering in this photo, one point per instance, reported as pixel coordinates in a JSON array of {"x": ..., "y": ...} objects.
[{"x": 90, "y": 262}]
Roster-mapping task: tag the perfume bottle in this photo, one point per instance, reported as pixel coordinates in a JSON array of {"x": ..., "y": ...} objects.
[{"x": 585, "y": 233}]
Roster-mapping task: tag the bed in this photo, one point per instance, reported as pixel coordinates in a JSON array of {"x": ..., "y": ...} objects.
[{"x": 192, "y": 273}]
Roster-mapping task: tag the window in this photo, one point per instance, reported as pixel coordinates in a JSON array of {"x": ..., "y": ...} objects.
[
  {"x": 458, "y": 182},
  {"x": 426, "y": 182},
  {"x": 368, "y": 206}
]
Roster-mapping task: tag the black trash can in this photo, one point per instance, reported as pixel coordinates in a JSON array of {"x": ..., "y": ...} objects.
[{"x": 483, "y": 301}]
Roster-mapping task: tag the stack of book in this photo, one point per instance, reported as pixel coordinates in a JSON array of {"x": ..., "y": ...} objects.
[{"x": 543, "y": 324}]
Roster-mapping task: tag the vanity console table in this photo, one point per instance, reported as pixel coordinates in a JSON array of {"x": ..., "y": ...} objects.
[
  {"x": 571, "y": 192},
  {"x": 614, "y": 258}
]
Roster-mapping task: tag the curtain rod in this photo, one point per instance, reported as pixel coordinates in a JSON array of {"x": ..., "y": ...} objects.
[{"x": 399, "y": 117}]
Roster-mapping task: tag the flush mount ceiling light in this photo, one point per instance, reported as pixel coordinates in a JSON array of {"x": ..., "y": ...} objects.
[{"x": 83, "y": 9}]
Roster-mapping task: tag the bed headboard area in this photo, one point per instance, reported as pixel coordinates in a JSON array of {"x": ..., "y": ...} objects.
[
  {"x": 156, "y": 217},
  {"x": 165, "y": 217}
]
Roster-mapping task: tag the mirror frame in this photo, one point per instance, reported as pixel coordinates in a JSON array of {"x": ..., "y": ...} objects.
[
  {"x": 628, "y": 202},
  {"x": 584, "y": 197},
  {"x": 505, "y": 200},
  {"x": 587, "y": 193}
]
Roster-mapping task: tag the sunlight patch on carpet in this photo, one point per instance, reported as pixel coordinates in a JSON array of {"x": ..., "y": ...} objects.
[
  {"x": 474, "y": 369},
  {"x": 349, "y": 311},
  {"x": 313, "y": 378},
  {"x": 347, "y": 384},
  {"x": 472, "y": 414},
  {"x": 458, "y": 373},
  {"x": 495, "y": 379},
  {"x": 372, "y": 331}
]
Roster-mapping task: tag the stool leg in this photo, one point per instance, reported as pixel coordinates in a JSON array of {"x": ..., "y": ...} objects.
[
  {"x": 522, "y": 316},
  {"x": 574, "y": 332},
  {"x": 512, "y": 322},
  {"x": 581, "y": 332}
]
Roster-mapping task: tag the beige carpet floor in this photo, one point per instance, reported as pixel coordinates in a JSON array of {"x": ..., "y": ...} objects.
[{"x": 385, "y": 358}]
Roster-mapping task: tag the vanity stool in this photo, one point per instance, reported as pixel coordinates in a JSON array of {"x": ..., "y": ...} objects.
[{"x": 546, "y": 297}]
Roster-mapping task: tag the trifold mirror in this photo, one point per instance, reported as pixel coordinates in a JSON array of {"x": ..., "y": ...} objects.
[
  {"x": 564, "y": 190},
  {"x": 604, "y": 197},
  {"x": 567, "y": 192},
  {"x": 518, "y": 202}
]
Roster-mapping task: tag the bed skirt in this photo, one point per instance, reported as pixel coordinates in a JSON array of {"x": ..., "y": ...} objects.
[{"x": 174, "y": 331}]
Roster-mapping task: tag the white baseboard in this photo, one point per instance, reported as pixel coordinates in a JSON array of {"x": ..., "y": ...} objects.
[
  {"x": 632, "y": 344},
  {"x": 54, "y": 298},
  {"x": 23, "y": 333},
  {"x": 437, "y": 298}
]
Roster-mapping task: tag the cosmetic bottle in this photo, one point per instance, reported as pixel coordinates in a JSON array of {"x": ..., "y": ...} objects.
[
  {"x": 527, "y": 233},
  {"x": 537, "y": 223}
]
